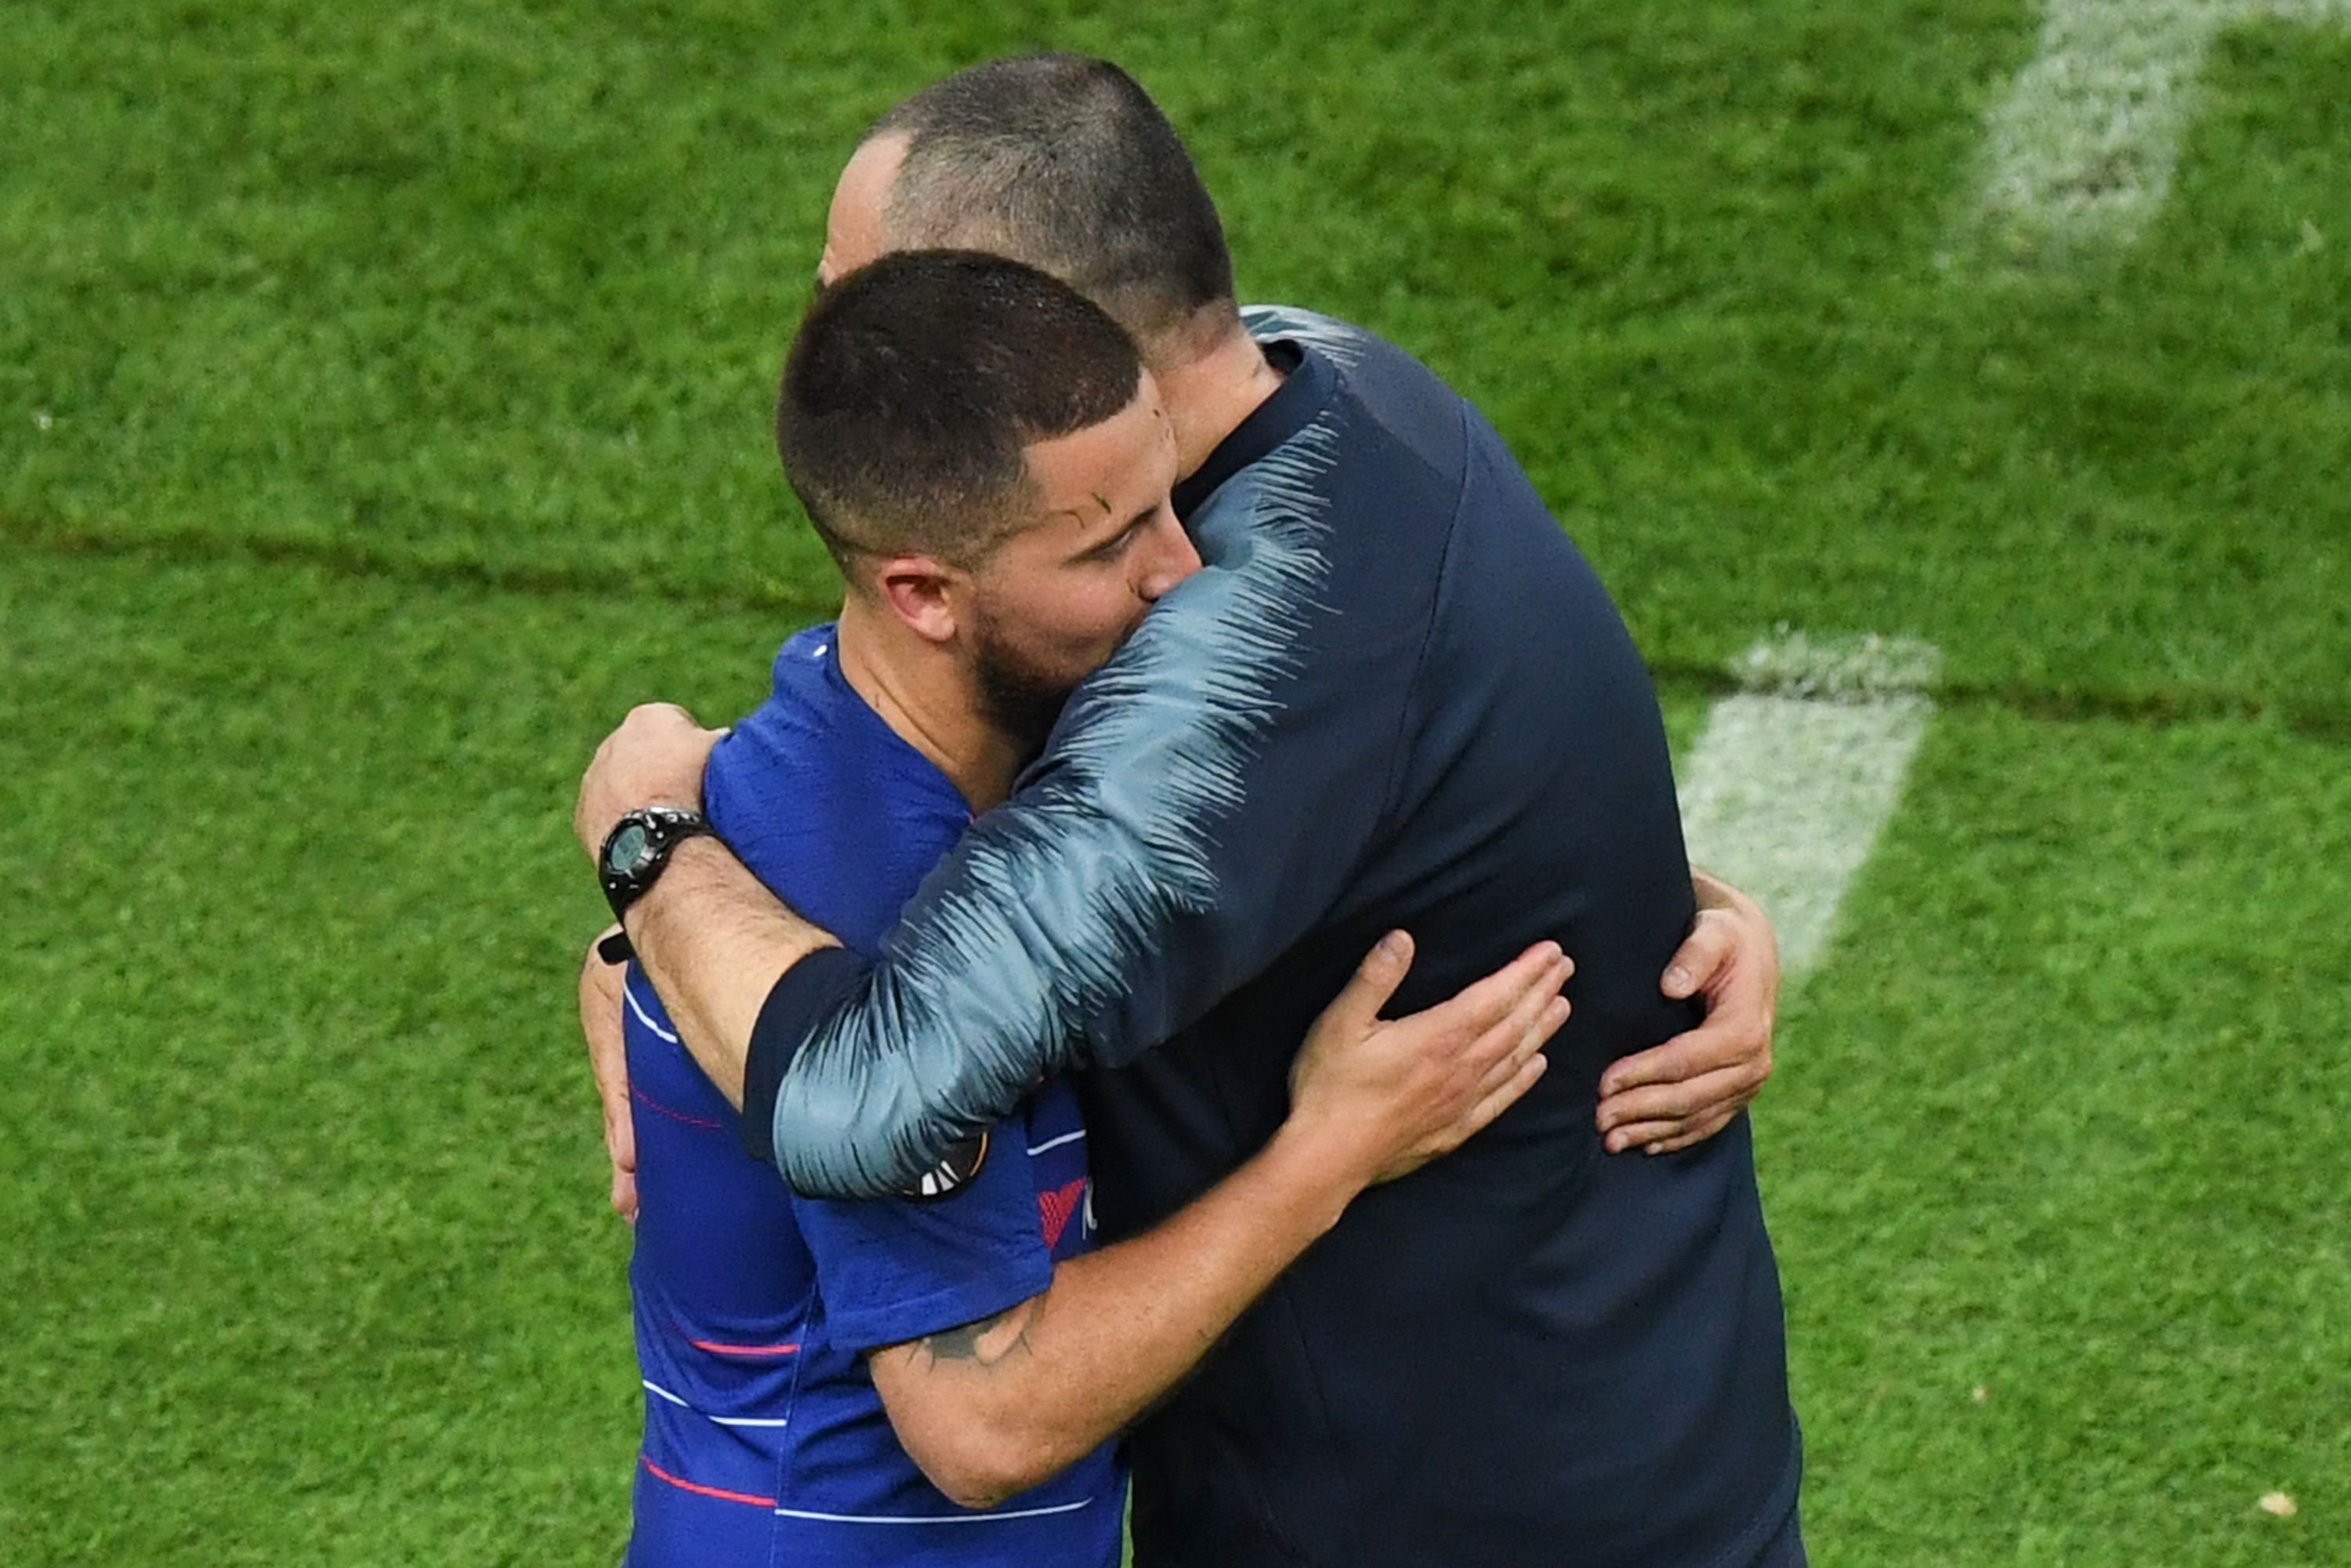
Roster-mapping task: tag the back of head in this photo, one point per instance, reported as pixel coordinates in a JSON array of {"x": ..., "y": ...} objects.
[
  {"x": 1064, "y": 162},
  {"x": 914, "y": 386}
]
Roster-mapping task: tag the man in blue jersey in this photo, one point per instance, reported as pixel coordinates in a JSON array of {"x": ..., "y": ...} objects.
[
  {"x": 966, "y": 425},
  {"x": 1396, "y": 696}
]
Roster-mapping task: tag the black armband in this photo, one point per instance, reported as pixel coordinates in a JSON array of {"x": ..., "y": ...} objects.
[{"x": 807, "y": 993}]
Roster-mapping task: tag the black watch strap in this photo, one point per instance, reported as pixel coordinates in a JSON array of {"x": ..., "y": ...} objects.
[{"x": 637, "y": 851}]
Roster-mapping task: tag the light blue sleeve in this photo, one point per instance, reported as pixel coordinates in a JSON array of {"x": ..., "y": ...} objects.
[{"x": 1132, "y": 880}]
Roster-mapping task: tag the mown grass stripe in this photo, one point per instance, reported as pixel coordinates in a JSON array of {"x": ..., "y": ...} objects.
[
  {"x": 424, "y": 569},
  {"x": 2313, "y": 716}
]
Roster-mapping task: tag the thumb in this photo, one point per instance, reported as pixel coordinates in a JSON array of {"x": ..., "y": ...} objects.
[
  {"x": 1373, "y": 984},
  {"x": 1699, "y": 958}
]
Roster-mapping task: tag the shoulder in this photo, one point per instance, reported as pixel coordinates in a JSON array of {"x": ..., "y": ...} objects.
[
  {"x": 785, "y": 729},
  {"x": 1395, "y": 421},
  {"x": 825, "y": 804},
  {"x": 1368, "y": 365},
  {"x": 813, "y": 743}
]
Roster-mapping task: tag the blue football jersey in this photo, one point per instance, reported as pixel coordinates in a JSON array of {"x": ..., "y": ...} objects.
[{"x": 765, "y": 1440}]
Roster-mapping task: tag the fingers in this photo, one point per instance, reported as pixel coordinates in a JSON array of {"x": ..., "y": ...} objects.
[
  {"x": 1681, "y": 1099},
  {"x": 1521, "y": 1009},
  {"x": 1683, "y": 1057},
  {"x": 656, "y": 756},
  {"x": 1480, "y": 1115},
  {"x": 1688, "y": 1089},
  {"x": 1508, "y": 1092},
  {"x": 1699, "y": 1133},
  {"x": 1712, "y": 943},
  {"x": 1691, "y": 1139},
  {"x": 1488, "y": 1002},
  {"x": 1674, "y": 1112},
  {"x": 1530, "y": 1007},
  {"x": 1737, "y": 1033},
  {"x": 1666, "y": 1137},
  {"x": 1505, "y": 1048},
  {"x": 620, "y": 1147},
  {"x": 608, "y": 1057},
  {"x": 621, "y": 1150},
  {"x": 1357, "y": 1006}
]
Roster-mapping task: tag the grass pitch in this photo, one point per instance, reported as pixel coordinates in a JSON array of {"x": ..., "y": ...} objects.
[{"x": 384, "y": 401}]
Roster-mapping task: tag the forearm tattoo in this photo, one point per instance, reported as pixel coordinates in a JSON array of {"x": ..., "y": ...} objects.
[{"x": 989, "y": 1342}]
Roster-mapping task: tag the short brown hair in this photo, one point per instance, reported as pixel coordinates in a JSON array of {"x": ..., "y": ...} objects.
[{"x": 915, "y": 382}]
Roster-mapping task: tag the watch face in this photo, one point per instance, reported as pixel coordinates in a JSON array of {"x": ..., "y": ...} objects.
[{"x": 628, "y": 849}]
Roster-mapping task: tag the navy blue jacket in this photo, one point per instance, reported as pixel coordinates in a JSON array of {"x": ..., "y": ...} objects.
[{"x": 1397, "y": 697}]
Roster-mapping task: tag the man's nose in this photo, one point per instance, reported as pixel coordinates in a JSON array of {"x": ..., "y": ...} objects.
[{"x": 1173, "y": 559}]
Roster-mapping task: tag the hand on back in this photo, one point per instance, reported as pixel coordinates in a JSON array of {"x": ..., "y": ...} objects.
[
  {"x": 1687, "y": 1089},
  {"x": 1390, "y": 1095}
]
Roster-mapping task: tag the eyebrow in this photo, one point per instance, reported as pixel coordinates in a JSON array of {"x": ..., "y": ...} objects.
[{"x": 1116, "y": 534}]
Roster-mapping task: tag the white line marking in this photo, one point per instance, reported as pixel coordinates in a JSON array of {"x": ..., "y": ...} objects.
[
  {"x": 2084, "y": 143},
  {"x": 936, "y": 1518},
  {"x": 1057, "y": 1143},
  {"x": 655, "y": 1388},
  {"x": 644, "y": 1016},
  {"x": 1785, "y": 791}
]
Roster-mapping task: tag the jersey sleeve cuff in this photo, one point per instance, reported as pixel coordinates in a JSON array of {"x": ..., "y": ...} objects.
[
  {"x": 870, "y": 1328},
  {"x": 808, "y": 992}
]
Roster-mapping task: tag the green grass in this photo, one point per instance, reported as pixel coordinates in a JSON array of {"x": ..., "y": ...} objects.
[
  {"x": 2063, "y": 1127},
  {"x": 384, "y": 405},
  {"x": 505, "y": 288},
  {"x": 308, "y": 1261}
]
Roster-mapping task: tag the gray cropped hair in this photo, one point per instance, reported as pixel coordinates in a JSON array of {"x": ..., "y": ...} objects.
[{"x": 1065, "y": 162}]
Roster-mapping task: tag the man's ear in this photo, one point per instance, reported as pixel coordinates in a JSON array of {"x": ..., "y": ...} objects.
[{"x": 925, "y": 593}]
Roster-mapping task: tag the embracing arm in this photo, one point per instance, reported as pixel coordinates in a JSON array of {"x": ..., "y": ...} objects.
[
  {"x": 1687, "y": 1089},
  {"x": 601, "y": 984},
  {"x": 995, "y": 1407},
  {"x": 715, "y": 942},
  {"x": 711, "y": 936},
  {"x": 992, "y": 1408},
  {"x": 723, "y": 949}
]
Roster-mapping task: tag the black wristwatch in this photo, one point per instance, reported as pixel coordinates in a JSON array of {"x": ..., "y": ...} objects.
[{"x": 638, "y": 848}]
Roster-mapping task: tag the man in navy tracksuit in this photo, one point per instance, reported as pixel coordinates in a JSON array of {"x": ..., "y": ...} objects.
[
  {"x": 1396, "y": 698},
  {"x": 938, "y": 1377}
]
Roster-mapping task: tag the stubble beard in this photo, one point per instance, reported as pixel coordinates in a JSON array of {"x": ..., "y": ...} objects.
[{"x": 1019, "y": 699}]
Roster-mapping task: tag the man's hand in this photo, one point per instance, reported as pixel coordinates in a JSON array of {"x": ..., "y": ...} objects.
[
  {"x": 654, "y": 758},
  {"x": 608, "y": 1054},
  {"x": 1393, "y": 1096},
  {"x": 993, "y": 1409},
  {"x": 1687, "y": 1089}
]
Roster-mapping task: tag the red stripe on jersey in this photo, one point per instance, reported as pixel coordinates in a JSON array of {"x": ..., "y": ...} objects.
[
  {"x": 719, "y": 1493},
  {"x": 641, "y": 1098},
  {"x": 715, "y": 1348}
]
